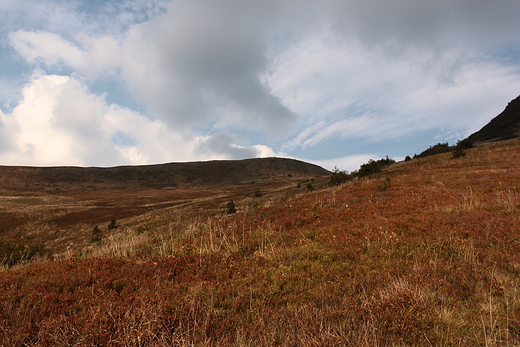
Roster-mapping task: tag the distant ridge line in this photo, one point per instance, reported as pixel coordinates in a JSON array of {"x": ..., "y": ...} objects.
[{"x": 174, "y": 174}]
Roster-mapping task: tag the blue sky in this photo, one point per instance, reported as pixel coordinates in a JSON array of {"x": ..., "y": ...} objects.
[{"x": 106, "y": 83}]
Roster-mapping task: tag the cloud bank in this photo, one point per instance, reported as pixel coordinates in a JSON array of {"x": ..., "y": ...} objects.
[
  {"x": 58, "y": 121},
  {"x": 334, "y": 80}
]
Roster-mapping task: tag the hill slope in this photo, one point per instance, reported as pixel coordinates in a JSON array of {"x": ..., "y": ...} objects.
[
  {"x": 58, "y": 207},
  {"x": 199, "y": 174},
  {"x": 503, "y": 127},
  {"x": 431, "y": 258}
]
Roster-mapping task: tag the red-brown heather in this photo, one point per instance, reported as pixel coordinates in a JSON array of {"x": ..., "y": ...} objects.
[{"x": 426, "y": 253}]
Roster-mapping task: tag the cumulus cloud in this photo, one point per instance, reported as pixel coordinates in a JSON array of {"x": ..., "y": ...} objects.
[
  {"x": 58, "y": 122},
  {"x": 29, "y": 125},
  {"x": 206, "y": 68},
  {"x": 225, "y": 143}
]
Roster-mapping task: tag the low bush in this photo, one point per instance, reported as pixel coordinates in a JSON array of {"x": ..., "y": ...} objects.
[
  {"x": 373, "y": 167},
  {"x": 112, "y": 224},
  {"x": 96, "y": 234},
  {"x": 339, "y": 177},
  {"x": 384, "y": 185},
  {"x": 231, "y": 208},
  {"x": 13, "y": 252},
  {"x": 439, "y": 148},
  {"x": 459, "y": 152}
]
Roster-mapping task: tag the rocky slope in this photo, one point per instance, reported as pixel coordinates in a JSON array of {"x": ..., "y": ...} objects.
[{"x": 505, "y": 126}]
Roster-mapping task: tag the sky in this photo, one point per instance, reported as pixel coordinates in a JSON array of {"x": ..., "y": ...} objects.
[{"x": 331, "y": 82}]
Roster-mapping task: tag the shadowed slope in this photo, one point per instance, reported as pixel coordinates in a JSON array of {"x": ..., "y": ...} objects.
[
  {"x": 171, "y": 175},
  {"x": 503, "y": 127}
]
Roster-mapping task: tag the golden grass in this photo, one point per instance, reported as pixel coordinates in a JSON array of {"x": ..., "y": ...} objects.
[{"x": 433, "y": 260}]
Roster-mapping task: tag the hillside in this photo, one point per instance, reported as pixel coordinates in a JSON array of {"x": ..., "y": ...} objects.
[
  {"x": 505, "y": 126},
  {"x": 57, "y": 207},
  {"x": 425, "y": 254},
  {"x": 171, "y": 175}
]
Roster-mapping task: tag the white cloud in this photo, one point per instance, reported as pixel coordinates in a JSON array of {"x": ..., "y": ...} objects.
[
  {"x": 47, "y": 48},
  {"x": 205, "y": 67},
  {"x": 263, "y": 151},
  {"x": 93, "y": 59},
  {"x": 34, "y": 140},
  {"x": 290, "y": 75},
  {"x": 59, "y": 122},
  {"x": 340, "y": 89}
]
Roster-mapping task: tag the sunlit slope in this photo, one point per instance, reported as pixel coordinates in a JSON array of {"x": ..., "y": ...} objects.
[{"x": 431, "y": 257}]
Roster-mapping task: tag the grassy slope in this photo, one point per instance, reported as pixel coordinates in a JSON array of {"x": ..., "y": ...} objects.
[
  {"x": 58, "y": 207},
  {"x": 432, "y": 259}
]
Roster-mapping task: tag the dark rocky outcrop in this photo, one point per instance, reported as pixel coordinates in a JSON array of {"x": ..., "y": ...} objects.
[{"x": 505, "y": 126}]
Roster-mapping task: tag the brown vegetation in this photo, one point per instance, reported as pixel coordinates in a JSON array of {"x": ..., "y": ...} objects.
[
  {"x": 433, "y": 259},
  {"x": 57, "y": 207}
]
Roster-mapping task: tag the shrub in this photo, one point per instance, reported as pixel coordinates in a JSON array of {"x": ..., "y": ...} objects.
[
  {"x": 231, "y": 208},
  {"x": 384, "y": 185},
  {"x": 464, "y": 144},
  {"x": 461, "y": 147},
  {"x": 435, "y": 149},
  {"x": 13, "y": 252},
  {"x": 374, "y": 166},
  {"x": 459, "y": 152},
  {"x": 112, "y": 224},
  {"x": 339, "y": 177},
  {"x": 96, "y": 234}
]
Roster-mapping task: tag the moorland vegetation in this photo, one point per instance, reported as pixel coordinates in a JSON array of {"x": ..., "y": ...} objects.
[{"x": 422, "y": 252}]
